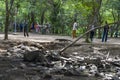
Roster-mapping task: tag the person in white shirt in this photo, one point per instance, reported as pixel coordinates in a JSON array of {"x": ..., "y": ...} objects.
[{"x": 74, "y": 29}]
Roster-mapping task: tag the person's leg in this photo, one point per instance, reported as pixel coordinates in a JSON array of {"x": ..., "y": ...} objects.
[
  {"x": 73, "y": 33},
  {"x": 91, "y": 35},
  {"x": 27, "y": 33},
  {"x": 106, "y": 36},
  {"x": 103, "y": 36},
  {"x": 24, "y": 33}
]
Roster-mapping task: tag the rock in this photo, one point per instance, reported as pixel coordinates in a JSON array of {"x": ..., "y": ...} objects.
[
  {"x": 93, "y": 70},
  {"x": 7, "y": 54},
  {"x": 47, "y": 76},
  {"x": 115, "y": 78},
  {"x": 37, "y": 45},
  {"x": 23, "y": 66},
  {"x": 10, "y": 50},
  {"x": 32, "y": 65},
  {"x": 20, "y": 45},
  {"x": 35, "y": 56},
  {"x": 59, "y": 64},
  {"x": 71, "y": 72},
  {"x": 33, "y": 48},
  {"x": 53, "y": 57},
  {"x": 82, "y": 68},
  {"x": 108, "y": 77},
  {"x": 101, "y": 74},
  {"x": 26, "y": 48},
  {"x": 16, "y": 50},
  {"x": 35, "y": 77},
  {"x": 118, "y": 73}
]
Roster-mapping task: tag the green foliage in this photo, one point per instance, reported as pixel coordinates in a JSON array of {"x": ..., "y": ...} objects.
[{"x": 61, "y": 13}]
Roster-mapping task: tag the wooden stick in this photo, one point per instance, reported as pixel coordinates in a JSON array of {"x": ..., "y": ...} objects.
[{"x": 62, "y": 50}]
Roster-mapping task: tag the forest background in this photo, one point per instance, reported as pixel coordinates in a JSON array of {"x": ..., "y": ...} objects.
[{"x": 60, "y": 14}]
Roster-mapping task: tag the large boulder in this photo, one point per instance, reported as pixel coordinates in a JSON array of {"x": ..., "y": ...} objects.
[{"x": 35, "y": 56}]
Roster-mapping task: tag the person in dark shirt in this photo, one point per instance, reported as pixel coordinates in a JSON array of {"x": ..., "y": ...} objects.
[
  {"x": 92, "y": 33},
  {"x": 26, "y": 29},
  {"x": 105, "y": 32}
]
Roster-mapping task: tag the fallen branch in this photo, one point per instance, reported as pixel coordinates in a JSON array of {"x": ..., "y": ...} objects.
[{"x": 62, "y": 50}]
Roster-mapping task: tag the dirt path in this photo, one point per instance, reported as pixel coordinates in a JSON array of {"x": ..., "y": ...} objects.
[{"x": 50, "y": 38}]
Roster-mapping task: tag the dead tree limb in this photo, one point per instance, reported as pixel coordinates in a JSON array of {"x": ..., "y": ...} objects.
[{"x": 62, "y": 50}]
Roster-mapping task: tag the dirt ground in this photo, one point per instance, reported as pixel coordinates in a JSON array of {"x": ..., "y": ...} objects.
[{"x": 14, "y": 68}]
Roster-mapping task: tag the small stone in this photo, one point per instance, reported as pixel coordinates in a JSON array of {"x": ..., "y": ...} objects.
[
  {"x": 7, "y": 54},
  {"x": 23, "y": 66},
  {"x": 47, "y": 76},
  {"x": 115, "y": 78}
]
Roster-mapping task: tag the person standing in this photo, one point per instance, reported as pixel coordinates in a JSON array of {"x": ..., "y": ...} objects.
[
  {"x": 26, "y": 29},
  {"x": 92, "y": 33},
  {"x": 105, "y": 32},
  {"x": 74, "y": 29}
]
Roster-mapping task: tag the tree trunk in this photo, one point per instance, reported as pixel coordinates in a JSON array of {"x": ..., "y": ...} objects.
[
  {"x": 93, "y": 18},
  {"x": 87, "y": 35},
  {"x": 99, "y": 24},
  {"x": 7, "y": 20},
  {"x": 8, "y": 8},
  {"x": 96, "y": 16},
  {"x": 117, "y": 27},
  {"x": 42, "y": 16},
  {"x": 32, "y": 17},
  {"x": 112, "y": 28}
]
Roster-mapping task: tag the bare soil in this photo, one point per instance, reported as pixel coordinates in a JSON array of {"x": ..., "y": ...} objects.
[{"x": 15, "y": 68}]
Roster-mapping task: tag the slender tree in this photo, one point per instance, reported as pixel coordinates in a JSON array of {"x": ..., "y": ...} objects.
[{"x": 8, "y": 8}]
